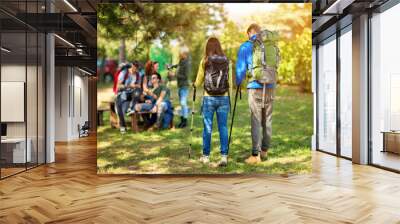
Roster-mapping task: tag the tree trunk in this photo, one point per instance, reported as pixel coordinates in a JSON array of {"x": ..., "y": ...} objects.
[
  {"x": 122, "y": 51},
  {"x": 148, "y": 52}
]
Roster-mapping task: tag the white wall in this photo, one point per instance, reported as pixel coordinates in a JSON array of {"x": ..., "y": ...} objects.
[
  {"x": 71, "y": 99},
  {"x": 12, "y": 73},
  {"x": 33, "y": 127},
  {"x": 61, "y": 103}
]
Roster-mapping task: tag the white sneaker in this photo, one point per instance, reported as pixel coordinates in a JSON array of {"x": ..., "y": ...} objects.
[
  {"x": 223, "y": 161},
  {"x": 130, "y": 111},
  {"x": 205, "y": 159},
  {"x": 122, "y": 130}
]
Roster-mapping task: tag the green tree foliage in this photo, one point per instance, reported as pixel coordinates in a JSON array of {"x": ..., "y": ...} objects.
[
  {"x": 293, "y": 21},
  {"x": 231, "y": 39},
  {"x": 191, "y": 24},
  {"x": 141, "y": 24},
  {"x": 295, "y": 67},
  {"x": 162, "y": 56}
]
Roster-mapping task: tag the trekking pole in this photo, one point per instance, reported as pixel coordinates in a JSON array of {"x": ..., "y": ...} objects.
[
  {"x": 233, "y": 114},
  {"x": 191, "y": 122}
]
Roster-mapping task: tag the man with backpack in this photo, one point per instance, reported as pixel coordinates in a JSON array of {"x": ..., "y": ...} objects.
[
  {"x": 128, "y": 82},
  {"x": 259, "y": 57},
  {"x": 137, "y": 91},
  {"x": 160, "y": 103}
]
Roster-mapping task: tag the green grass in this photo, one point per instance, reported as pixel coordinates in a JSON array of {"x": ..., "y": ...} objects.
[{"x": 166, "y": 152}]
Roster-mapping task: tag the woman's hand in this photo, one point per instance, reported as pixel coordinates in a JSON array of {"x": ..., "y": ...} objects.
[{"x": 154, "y": 109}]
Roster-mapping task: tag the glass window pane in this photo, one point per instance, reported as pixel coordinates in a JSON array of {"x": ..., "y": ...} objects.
[
  {"x": 13, "y": 84},
  {"x": 346, "y": 93},
  {"x": 41, "y": 99},
  {"x": 327, "y": 96},
  {"x": 23, "y": 82},
  {"x": 386, "y": 89},
  {"x": 32, "y": 96}
]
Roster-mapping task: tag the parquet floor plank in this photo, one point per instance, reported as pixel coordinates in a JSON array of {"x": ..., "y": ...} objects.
[{"x": 70, "y": 191}]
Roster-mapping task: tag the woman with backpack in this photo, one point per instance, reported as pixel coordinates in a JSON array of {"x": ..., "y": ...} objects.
[{"x": 215, "y": 73}]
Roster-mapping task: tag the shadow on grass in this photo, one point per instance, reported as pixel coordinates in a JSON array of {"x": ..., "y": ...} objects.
[{"x": 167, "y": 151}]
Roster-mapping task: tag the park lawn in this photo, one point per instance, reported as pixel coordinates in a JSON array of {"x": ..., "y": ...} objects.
[{"x": 166, "y": 152}]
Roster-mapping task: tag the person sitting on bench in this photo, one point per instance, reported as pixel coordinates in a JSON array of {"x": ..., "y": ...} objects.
[
  {"x": 160, "y": 104},
  {"x": 127, "y": 82},
  {"x": 137, "y": 91}
]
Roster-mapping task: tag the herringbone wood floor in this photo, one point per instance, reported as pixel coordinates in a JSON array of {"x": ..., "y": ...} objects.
[{"x": 69, "y": 191}]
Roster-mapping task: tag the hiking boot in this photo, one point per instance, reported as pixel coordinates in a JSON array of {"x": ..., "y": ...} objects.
[
  {"x": 184, "y": 123},
  {"x": 224, "y": 161},
  {"x": 204, "y": 159},
  {"x": 122, "y": 130},
  {"x": 264, "y": 154},
  {"x": 253, "y": 159}
]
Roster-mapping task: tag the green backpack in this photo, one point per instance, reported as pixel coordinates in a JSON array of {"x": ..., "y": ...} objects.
[{"x": 265, "y": 57}]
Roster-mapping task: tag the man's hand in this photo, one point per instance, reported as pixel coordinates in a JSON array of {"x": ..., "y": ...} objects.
[
  {"x": 121, "y": 88},
  {"x": 148, "y": 101},
  {"x": 150, "y": 93},
  {"x": 135, "y": 86}
]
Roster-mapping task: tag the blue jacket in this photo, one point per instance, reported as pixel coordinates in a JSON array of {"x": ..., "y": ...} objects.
[{"x": 245, "y": 62}]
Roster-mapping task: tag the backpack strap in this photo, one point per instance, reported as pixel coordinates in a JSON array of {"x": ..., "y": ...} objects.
[
  {"x": 137, "y": 78},
  {"x": 263, "y": 56},
  {"x": 126, "y": 75}
]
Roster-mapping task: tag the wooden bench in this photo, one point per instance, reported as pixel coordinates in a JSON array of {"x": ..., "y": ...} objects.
[
  {"x": 100, "y": 113},
  {"x": 114, "y": 120},
  {"x": 107, "y": 106}
]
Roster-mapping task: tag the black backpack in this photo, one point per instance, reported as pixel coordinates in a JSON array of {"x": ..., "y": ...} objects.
[{"x": 216, "y": 75}]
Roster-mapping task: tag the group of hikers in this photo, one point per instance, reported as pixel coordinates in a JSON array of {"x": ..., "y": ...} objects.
[
  {"x": 139, "y": 91},
  {"x": 257, "y": 60}
]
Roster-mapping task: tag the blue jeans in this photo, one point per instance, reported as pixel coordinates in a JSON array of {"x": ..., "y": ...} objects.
[
  {"x": 183, "y": 93},
  {"x": 219, "y": 105},
  {"x": 122, "y": 107}
]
